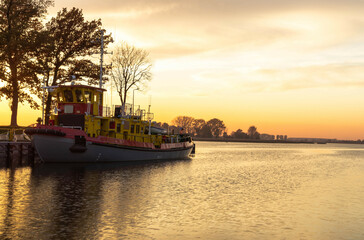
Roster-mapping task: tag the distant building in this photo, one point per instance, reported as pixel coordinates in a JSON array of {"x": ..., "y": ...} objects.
[{"x": 281, "y": 137}]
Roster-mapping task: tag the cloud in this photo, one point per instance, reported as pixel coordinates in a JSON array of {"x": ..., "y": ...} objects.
[
  {"x": 278, "y": 80},
  {"x": 216, "y": 8},
  {"x": 170, "y": 28},
  {"x": 255, "y": 45}
]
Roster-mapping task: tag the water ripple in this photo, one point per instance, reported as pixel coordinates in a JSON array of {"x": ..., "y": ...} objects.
[{"x": 228, "y": 191}]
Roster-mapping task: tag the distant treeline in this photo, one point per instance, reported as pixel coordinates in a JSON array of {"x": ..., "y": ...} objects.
[{"x": 207, "y": 129}]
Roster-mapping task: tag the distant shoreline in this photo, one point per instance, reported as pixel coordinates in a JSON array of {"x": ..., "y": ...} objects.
[{"x": 199, "y": 139}]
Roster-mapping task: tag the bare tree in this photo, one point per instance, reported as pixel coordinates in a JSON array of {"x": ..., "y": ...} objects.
[
  {"x": 217, "y": 126},
  {"x": 253, "y": 133},
  {"x": 198, "y": 125},
  {"x": 185, "y": 122},
  {"x": 131, "y": 69},
  {"x": 239, "y": 134}
]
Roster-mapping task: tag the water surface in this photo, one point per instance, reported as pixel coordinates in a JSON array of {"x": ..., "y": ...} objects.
[{"x": 227, "y": 191}]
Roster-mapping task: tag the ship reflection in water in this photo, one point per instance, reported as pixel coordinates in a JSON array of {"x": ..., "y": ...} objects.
[{"x": 228, "y": 191}]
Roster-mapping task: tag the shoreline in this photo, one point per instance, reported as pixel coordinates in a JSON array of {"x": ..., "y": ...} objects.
[
  {"x": 198, "y": 139},
  {"x": 246, "y": 140}
]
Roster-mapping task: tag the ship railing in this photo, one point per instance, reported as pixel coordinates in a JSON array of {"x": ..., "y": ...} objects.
[
  {"x": 129, "y": 112},
  {"x": 150, "y": 138},
  {"x": 100, "y": 131},
  {"x": 178, "y": 138},
  {"x": 106, "y": 111},
  {"x": 73, "y": 127}
]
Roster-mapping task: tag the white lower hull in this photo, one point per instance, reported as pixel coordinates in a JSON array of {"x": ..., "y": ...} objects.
[{"x": 57, "y": 149}]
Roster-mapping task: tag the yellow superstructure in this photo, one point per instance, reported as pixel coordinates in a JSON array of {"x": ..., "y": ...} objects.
[{"x": 82, "y": 107}]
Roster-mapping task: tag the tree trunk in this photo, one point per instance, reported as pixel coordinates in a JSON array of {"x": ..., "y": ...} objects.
[
  {"x": 49, "y": 97},
  {"x": 15, "y": 100},
  {"x": 122, "y": 104},
  {"x": 14, "y": 105},
  {"x": 47, "y": 109}
]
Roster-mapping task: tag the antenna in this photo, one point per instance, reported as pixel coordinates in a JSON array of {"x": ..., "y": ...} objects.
[
  {"x": 149, "y": 103},
  {"x": 150, "y": 115},
  {"x": 102, "y": 52},
  {"x": 101, "y": 55},
  {"x": 111, "y": 94}
]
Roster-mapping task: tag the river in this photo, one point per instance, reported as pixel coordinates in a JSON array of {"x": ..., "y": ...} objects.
[{"x": 226, "y": 191}]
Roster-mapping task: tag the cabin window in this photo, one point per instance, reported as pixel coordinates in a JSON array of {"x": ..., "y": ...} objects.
[
  {"x": 126, "y": 124},
  {"x": 59, "y": 97},
  {"x": 137, "y": 128},
  {"x": 95, "y": 98},
  {"x": 100, "y": 99},
  {"x": 88, "y": 96},
  {"x": 132, "y": 128},
  {"x": 68, "y": 109},
  {"x": 117, "y": 112},
  {"x": 68, "y": 96},
  {"x": 118, "y": 127},
  {"x": 79, "y": 97}
]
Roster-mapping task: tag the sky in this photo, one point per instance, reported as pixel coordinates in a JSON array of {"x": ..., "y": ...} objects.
[{"x": 288, "y": 67}]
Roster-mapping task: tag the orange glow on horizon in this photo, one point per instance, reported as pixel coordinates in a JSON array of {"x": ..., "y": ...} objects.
[{"x": 289, "y": 69}]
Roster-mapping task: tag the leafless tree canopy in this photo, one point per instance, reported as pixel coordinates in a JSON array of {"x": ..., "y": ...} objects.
[
  {"x": 184, "y": 122},
  {"x": 131, "y": 69}
]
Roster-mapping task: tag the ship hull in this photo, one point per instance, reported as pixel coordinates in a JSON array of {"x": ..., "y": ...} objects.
[{"x": 58, "y": 149}]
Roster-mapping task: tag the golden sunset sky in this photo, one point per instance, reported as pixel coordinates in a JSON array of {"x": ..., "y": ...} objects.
[{"x": 288, "y": 67}]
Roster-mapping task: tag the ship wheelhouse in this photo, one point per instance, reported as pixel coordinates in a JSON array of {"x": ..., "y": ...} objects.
[
  {"x": 78, "y": 99},
  {"x": 75, "y": 103}
]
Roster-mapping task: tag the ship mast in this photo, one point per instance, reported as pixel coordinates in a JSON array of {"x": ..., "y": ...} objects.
[{"x": 101, "y": 55}]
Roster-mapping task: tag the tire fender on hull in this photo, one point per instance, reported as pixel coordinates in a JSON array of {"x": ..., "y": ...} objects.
[
  {"x": 32, "y": 131},
  {"x": 79, "y": 146}
]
